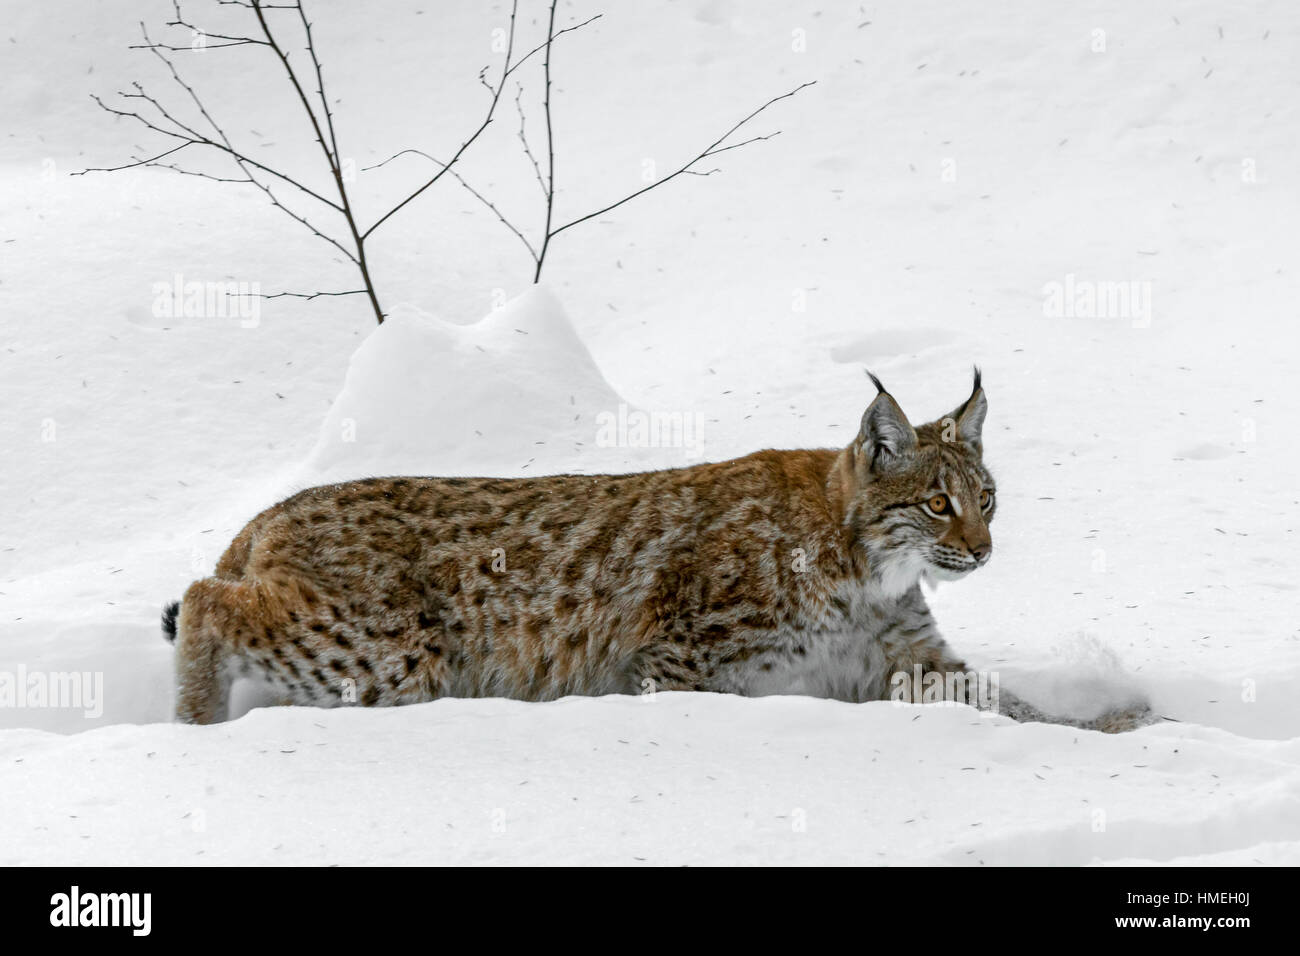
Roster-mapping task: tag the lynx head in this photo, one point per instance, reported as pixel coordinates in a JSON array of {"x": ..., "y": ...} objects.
[{"x": 919, "y": 500}]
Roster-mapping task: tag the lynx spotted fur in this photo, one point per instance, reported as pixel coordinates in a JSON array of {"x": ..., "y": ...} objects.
[{"x": 783, "y": 572}]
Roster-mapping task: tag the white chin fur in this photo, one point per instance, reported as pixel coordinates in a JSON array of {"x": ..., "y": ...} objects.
[
  {"x": 900, "y": 574},
  {"x": 934, "y": 574}
]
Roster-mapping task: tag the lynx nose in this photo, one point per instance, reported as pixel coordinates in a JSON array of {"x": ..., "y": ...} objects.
[{"x": 982, "y": 551}]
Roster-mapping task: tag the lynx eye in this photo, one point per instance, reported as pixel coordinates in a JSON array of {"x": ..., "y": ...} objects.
[
  {"x": 986, "y": 499},
  {"x": 938, "y": 505}
]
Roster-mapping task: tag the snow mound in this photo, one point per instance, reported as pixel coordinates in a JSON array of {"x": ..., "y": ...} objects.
[{"x": 514, "y": 393}]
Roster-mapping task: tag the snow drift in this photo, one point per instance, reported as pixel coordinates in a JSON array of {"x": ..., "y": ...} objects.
[{"x": 516, "y": 391}]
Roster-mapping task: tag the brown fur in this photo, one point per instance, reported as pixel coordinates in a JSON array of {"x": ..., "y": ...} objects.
[{"x": 776, "y": 572}]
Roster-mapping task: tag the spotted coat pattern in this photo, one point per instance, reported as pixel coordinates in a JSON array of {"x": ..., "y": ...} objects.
[{"x": 778, "y": 572}]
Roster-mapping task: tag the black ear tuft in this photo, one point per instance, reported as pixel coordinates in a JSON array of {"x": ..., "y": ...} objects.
[
  {"x": 886, "y": 437},
  {"x": 880, "y": 388},
  {"x": 969, "y": 416}
]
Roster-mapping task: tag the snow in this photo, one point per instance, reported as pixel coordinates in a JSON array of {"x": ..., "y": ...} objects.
[
  {"x": 677, "y": 779},
  {"x": 1145, "y": 538},
  {"x": 426, "y": 396}
]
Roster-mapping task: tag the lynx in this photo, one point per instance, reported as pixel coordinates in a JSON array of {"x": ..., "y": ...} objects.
[{"x": 782, "y": 572}]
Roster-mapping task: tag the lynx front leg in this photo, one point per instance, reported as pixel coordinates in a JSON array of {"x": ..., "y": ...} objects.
[
  {"x": 953, "y": 680},
  {"x": 948, "y": 678},
  {"x": 921, "y": 668},
  {"x": 1112, "y": 722},
  {"x": 1125, "y": 719},
  {"x": 1009, "y": 705}
]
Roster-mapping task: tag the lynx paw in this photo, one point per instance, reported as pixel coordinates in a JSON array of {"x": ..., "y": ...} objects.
[{"x": 1122, "y": 721}]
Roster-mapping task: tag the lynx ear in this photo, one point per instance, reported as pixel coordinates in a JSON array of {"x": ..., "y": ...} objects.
[
  {"x": 969, "y": 418},
  {"x": 886, "y": 435}
]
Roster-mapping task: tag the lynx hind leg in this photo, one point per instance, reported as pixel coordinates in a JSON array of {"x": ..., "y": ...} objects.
[{"x": 208, "y": 613}]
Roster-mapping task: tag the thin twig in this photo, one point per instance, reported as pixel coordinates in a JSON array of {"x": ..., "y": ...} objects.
[
  {"x": 713, "y": 149},
  {"x": 523, "y": 138},
  {"x": 152, "y": 160},
  {"x": 495, "y": 92},
  {"x": 330, "y": 149},
  {"x": 547, "y": 234},
  {"x": 223, "y": 143},
  {"x": 550, "y": 231},
  {"x": 472, "y": 191},
  {"x": 296, "y": 295}
]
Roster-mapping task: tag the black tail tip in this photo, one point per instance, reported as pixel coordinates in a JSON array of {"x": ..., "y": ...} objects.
[{"x": 169, "y": 620}]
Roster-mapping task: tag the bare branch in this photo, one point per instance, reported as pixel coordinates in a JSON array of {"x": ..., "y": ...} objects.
[
  {"x": 523, "y": 138},
  {"x": 296, "y": 295},
  {"x": 158, "y": 118},
  {"x": 330, "y": 149},
  {"x": 752, "y": 139},
  {"x": 180, "y": 21},
  {"x": 320, "y": 84},
  {"x": 197, "y": 139},
  {"x": 275, "y": 201},
  {"x": 508, "y": 69},
  {"x": 152, "y": 160},
  {"x": 713, "y": 149},
  {"x": 191, "y": 49},
  {"x": 553, "y": 37},
  {"x": 293, "y": 77},
  {"x": 496, "y": 98},
  {"x": 191, "y": 172},
  {"x": 223, "y": 143},
  {"x": 550, "y": 231},
  {"x": 547, "y": 233},
  {"x": 472, "y": 191}
]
